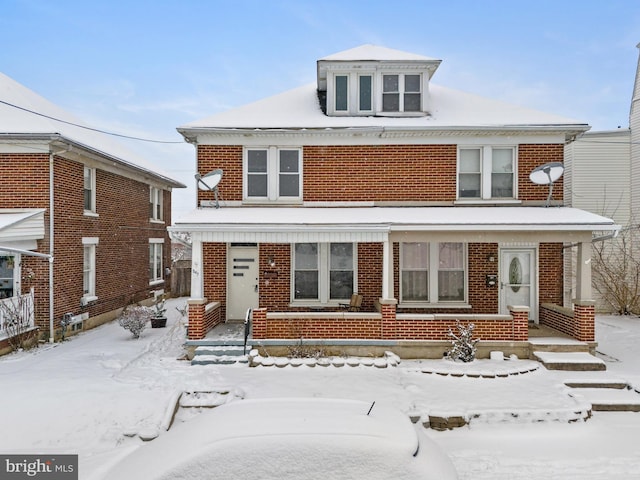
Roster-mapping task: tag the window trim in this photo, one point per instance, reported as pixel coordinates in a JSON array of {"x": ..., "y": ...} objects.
[
  {"x": 92, "y": 180},
  {"x": 156, "y": 204},
  {"x": 273, "y": 175},
  {"x": 89, "y": 244},
  {"x": 324, "y": 270},
  {"x": 432, "y": 278},
  {"x": 153, "y": 244},
  {"x": 486, "y": 155},
  {"x": 401, "y": 93}
]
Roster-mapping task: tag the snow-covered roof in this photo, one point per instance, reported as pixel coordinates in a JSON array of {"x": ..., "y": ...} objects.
[
  {"x": 450, "y": 110},
  {"x": 374, "y": 224},
  {"x": 376, "y": 53},
  {"x": 17, "y": 120}
]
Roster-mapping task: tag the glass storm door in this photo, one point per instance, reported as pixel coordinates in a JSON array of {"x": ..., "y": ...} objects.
[
  {"x": 518, "y": 280},
  {"x": 242, "y": 281}
]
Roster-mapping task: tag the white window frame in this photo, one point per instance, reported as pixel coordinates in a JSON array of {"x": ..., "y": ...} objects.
[
  {"x": 89, "y": 270},
  {"x": 432, "y": 278},
  {"x": 156, "y": 269},
  {"x": 401, "y": 92},
  {"x": 156, "y": 204},
  {"x": 324, "y": 280},
  {"x": 273, "y": 176},
  {"x": 486, "y": 158},
  {"x": 89, "y": 173}
]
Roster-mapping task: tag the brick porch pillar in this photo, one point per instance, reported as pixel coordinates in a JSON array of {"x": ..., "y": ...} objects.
[
  {"x": 197, "y": 325},
  {"x": 389, "y": 324},
  {"x": 584, "y": 317},
  {"x": 259, "y": 321},
  {"x": 520, "y": 321}
]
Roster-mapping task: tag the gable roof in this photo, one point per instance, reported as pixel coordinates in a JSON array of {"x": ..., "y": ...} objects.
[
  {"x": 451, "y": 110},
  {"x": 17, "y": 121}
]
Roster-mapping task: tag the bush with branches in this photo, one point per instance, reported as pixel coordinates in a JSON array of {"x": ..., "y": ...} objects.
[{"x": 135, "y": 319}]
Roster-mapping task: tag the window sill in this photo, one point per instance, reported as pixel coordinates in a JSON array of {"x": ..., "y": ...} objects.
[
  {"x": 264, "y": 201},
  {"x": 156, "y": 282},
  {"x": 401, "y": 114},
  {"x": 488, "y": 201},
  {"x": 154, "y": 220},
  {"x": 87, "y": 299},
  {"x": 89, "y": 213},
  {"x": 319, "y": 306},
  {"x": 434, "y": 305}
]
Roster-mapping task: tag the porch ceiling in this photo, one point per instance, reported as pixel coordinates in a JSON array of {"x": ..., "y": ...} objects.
[{"x": 375, "y": 224}]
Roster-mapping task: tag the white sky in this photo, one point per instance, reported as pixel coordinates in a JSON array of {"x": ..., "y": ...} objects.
[{"x": 144, "y": 67}]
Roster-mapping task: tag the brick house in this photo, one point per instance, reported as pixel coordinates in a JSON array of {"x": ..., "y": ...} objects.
[
  {"x": 75, "y": 195},
  {"x": 375, "y": 181}
]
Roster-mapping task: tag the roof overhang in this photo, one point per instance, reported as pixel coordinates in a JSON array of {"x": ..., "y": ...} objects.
[
  {"x": 21, "y": 228},
  {"x": 378, "y": 224}
]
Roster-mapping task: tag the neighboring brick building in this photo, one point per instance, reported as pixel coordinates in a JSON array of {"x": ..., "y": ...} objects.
[
  {"x": 375, "y": 181},
  {"x": 76, "y": 195}
]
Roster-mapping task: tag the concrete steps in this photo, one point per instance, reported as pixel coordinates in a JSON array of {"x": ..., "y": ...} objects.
[
  {"x": 607, "y": 395},
  {"x": 225, "y": 354},
  {"x": 570, "y": 361}
]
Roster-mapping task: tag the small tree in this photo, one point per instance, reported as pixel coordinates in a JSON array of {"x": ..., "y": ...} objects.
[
  {"x": 616, "y": 271},
  {"x": 17, "y": 313},
  {"x": 135, "y": 319},
  {"x": 463, "y": 346}
]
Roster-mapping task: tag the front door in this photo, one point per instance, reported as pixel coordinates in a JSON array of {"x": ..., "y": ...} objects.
[
  {"x": 242, "y": 277},
  {"x": 518, "y": 284}
]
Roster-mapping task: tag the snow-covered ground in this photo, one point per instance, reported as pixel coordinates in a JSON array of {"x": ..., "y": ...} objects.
[{"x": 95, "y": 393}]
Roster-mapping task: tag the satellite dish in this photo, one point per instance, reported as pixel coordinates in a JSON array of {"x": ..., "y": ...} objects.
[
  {"x": 209, "y": 182},
  {"x": 547, "y": 174}
]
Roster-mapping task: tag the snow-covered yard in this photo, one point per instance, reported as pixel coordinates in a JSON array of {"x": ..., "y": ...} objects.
[{"x": 95, "y": 393}]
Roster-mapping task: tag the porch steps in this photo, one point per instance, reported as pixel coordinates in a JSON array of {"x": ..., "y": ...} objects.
[
  {"x": 607, "y": 395},
  {"x": 225, "y": 354},
  {"x": 571, "y": 361}
]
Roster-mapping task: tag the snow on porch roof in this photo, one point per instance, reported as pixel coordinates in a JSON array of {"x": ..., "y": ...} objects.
[{"x": 375, "y": 223}]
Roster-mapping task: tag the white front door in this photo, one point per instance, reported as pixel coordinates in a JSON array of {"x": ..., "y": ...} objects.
[
  {"x": 518, "y": 280},
  {"x": 242, "y": 282}
]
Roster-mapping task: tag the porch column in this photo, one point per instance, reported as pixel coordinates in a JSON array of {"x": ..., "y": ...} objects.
[
  {"x": 387, "y": 269},
  {"x": 197, "y": 276},
  {"x": 583, "y": 272}
]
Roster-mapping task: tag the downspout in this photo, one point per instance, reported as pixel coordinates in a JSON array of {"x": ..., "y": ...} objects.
[
  {"x": 51, "y": 217},
  {"x": 51, "y": 242}
]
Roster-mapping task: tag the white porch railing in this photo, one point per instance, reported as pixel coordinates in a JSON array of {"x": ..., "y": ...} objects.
[{"x": 11, "y": 304}]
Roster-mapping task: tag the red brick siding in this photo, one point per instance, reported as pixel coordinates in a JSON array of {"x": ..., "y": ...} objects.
[
  {"x": 531, "y": 156},
  {"x": 579, "y": 323},
  {"x": 550, "y": 273},
  {"x": 122, "y": 226},
  {"x": 214, "y": 260},
  {"x": 411, "y": 172}
]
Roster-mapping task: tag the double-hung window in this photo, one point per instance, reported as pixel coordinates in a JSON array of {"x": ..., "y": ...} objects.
[
  {"x": 401, "y": 93},
  {"x": 89, "y": 268},
  {"x": 273, "y": 174},
  {"x": 89, "y": 190},
  {"x": 433, "y": 272},
  {"x": 323, "y": 272},
  {"x": 155, "y": 204},
  {"x": 155, "y": 260},
  {"x": 486, "y": 173}
]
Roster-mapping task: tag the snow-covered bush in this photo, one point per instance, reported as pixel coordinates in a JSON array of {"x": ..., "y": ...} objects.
[
  {"x": 135, "y": 319},
  {"x": 463, "y": 346}
]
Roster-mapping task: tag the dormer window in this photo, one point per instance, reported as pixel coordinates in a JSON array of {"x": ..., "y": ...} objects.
[
  {"x": 401, "y": 93},
  {"x": 371, "y": 80}
]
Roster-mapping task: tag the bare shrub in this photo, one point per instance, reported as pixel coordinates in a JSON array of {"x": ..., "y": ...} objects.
[
  {"x": 463, "y": 346},
  {"x": 135, "y": 319},
  {"x": 616, "y": 271},
  {"x": 17, "y": 314}
]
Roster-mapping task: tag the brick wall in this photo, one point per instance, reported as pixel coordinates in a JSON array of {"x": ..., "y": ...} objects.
[
  {"x": 353, "y": 173},
  {"x": 122, "y": 226},
  {"x": 550, "y": 273},
  {"x": 214, "y": 259}
]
